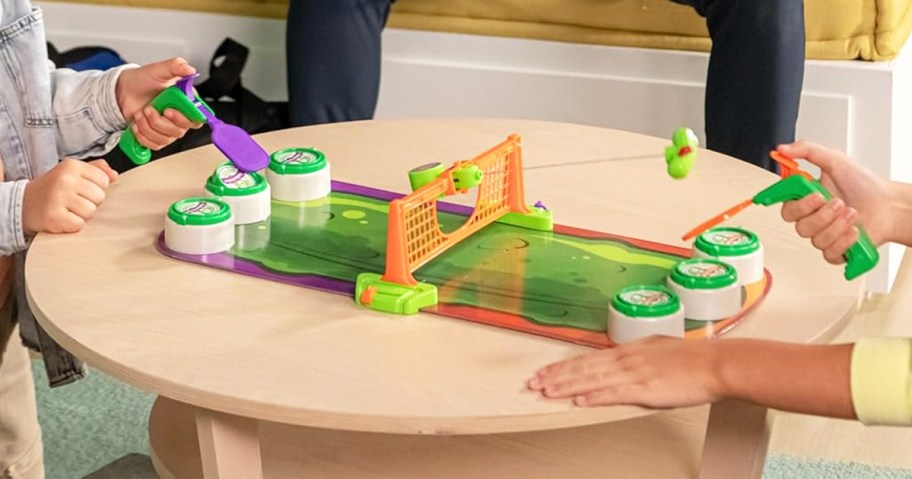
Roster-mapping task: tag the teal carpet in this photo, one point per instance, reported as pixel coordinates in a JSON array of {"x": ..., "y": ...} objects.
[
  {"x": 93, "y": 422},
  {"x": 89, "y": 423}
]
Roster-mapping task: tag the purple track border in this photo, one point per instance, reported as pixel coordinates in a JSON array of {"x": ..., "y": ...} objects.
[{"x": 228, "y": 262}]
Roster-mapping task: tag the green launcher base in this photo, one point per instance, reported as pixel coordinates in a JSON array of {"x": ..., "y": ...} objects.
[{"x": 374, "y": 293}]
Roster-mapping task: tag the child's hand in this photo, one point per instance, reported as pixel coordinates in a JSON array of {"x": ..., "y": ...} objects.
[
  {"x": 859, "y": 195},
  {"x": 657, "y": 372},
  {"x": 136, "y": 88},
  {"x": 65, "y": 198}
]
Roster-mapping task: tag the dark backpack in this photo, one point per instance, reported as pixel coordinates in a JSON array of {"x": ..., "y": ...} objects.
[{"x": 85, "y": 58}]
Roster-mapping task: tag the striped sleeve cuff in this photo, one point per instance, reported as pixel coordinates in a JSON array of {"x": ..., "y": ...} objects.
[{"x": 882, "y": 381}]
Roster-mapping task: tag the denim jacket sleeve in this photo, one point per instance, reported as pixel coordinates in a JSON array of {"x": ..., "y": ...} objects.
[
  {"x": 12, "y": 235},
  {"x": 89, "y": 120}
]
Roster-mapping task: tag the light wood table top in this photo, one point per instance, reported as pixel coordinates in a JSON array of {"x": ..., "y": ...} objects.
[{"x": 259, "y": 349}]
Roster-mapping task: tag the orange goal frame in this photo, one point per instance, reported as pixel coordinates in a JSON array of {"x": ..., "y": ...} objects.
[{"x": 413, "y": 234}]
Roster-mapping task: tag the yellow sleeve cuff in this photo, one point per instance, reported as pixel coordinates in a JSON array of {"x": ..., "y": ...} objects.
[{"x": 882, "y": 381}]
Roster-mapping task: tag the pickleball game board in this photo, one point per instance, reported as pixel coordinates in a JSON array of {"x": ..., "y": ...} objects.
[{"x": 556, "y": 284}]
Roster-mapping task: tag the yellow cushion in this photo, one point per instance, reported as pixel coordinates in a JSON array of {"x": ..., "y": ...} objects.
[{"x": 836, "y": 29}]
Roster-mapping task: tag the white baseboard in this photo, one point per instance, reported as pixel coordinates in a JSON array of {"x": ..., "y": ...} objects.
[{"x": 861, "y": 107}]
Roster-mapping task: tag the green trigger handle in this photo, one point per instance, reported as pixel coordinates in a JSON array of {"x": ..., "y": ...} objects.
[
  {"x": 173, "y": 98},
  {"x": 860, "y": 258}
]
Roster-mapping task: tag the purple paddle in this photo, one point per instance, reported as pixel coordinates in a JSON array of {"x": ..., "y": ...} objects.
[
  {"x": 235, "y": 143},
  {"x": 185, "y": 85}
]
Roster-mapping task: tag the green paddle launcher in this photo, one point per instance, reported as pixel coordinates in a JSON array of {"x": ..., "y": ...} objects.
[
  {"x": 860, "y": 258},
  {"x": 172, "y": 97}
]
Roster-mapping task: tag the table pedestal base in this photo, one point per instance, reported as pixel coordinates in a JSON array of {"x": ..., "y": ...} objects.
[
  {"x": 737, "y": 438},
  {"x": 665, "y": 445}
]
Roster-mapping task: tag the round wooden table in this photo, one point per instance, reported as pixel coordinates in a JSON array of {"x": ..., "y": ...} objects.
[{"x": 257, "y": 378}]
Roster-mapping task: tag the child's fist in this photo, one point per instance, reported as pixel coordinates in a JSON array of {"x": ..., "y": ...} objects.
[
  {"x": 65, "y": 198},
  {"x": 829, "y": 224},
  {"x": 859, "y": 197},
  {"x": 136, "y": 87},
  {"x": 156, "y": 131}
]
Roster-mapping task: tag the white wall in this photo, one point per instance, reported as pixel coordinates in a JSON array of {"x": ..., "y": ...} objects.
[
  {"x": 863, "y": 108},
  {"x": 144, "y": 35}
]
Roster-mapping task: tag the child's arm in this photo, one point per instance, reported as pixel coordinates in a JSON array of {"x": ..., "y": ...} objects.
[
  {"x": 870, "y": 381},
  {"x": 665, "y": 372},
  {"x": 901, "y": 206},
  {"x": 92, "y": 108},
  {"x": 12, "y": 235}
]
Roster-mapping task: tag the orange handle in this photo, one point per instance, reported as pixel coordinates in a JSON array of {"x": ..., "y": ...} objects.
[{"x": 788, "y": 166}]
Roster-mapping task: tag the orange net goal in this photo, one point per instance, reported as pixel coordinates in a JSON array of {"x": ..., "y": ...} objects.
[{"x": 414, "y": 236}]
